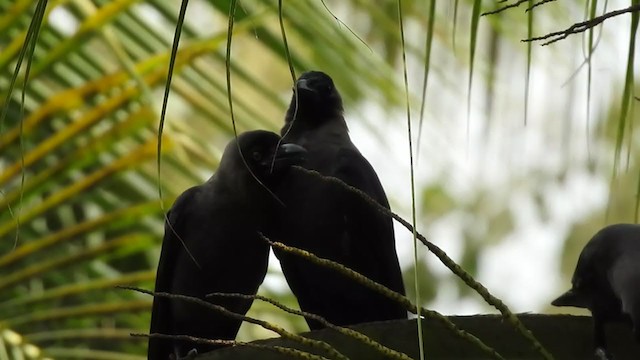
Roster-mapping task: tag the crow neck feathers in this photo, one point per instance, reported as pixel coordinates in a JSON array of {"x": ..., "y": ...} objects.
[{"x": 237, "y": 175}]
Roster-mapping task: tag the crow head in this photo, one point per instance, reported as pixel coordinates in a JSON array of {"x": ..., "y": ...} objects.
[{"x": 315, "y": 99}]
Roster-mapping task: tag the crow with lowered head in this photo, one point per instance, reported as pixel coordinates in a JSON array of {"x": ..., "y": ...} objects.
[
  {"x": 607, "y": 281},
  {"x": 328, "y": 220},
  {"x": 218, "y": 222}
]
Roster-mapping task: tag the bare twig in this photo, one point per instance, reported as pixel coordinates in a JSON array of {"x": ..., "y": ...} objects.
[
  {"x": 582, "y": 26},
  {"x": 390, "y": 353},
  {"x": 386, "y": 292},
  {"x": 499, "y": 10},
  {"x": 345, "y": 25},
  {"x": 445, "y": 259},
  {"x": 275, "y": 328},
  {"x": 290, "y": 352},
  {"x": 514, "y": 5}
]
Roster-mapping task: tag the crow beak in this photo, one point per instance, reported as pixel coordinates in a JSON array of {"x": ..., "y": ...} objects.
[
  {"x": 571, "y": 298},
  {"x": 288, "y": 155},
  {"x": 303, "y": 84}
]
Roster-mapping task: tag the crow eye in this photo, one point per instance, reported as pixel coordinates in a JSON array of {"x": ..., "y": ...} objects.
[{"x": 257, "y": 156}]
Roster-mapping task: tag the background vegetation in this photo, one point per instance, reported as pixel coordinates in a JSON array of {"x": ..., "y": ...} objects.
[{"x": 509, "y": 141}]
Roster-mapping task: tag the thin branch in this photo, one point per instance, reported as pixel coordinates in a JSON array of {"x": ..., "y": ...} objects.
[
  {"x": 444, "y": 258},
  {"x": 285, "y": 43},
  {"x": 275, "y": 328},
  {"x": 412, "y": 179},
  {"x": 340, "y": 22},
  {"x": 582, "y": 26},
  {"x": 163, "y": 115},
  {"x": 356, "y": 276},
  {"x": 499, "y": 10},
  {"x": 193, "y": 339},
  {"x": 538, "y": 4},
  {"x": 279, "y": 349},
  {"x": 390, "y": 353}
]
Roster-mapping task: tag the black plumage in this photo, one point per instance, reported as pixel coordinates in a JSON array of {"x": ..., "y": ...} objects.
[
  {"x": 331, "y": 222},
  {"x": 607, "y": 280},
  {"x": 219, "y": 223}
]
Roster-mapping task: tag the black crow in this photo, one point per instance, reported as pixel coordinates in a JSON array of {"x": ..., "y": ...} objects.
[
  {"x": 607, "y": 280},
  {"x": 330, "y": 222},
  {"x": 218, "y": 222}
]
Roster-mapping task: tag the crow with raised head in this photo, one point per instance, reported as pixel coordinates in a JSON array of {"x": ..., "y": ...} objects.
[
  {"x": 331, "y": 222},
  {"x": 218, "y": 222},
  {"x": 607, "y": 281}
]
